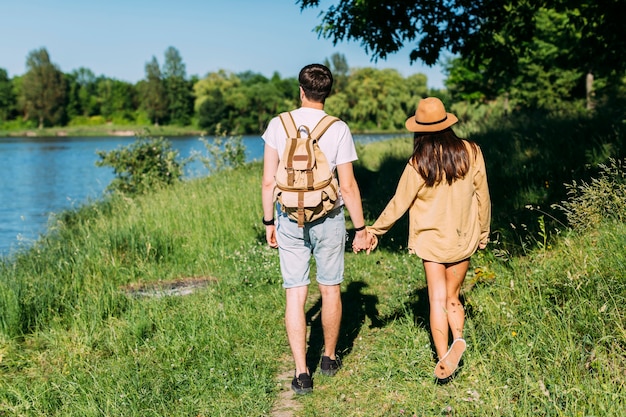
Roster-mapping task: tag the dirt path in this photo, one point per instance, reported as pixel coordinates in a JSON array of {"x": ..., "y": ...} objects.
[{"x": 286, "y": 405}]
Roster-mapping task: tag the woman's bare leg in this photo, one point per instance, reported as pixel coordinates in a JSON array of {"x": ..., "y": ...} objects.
[
  {"x": 437, "y": 296},
  {"x": 446, "y": 311},
  {"x": 455, "y": 274}
]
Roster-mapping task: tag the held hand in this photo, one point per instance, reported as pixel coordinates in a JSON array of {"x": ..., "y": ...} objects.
[
  {"x": 364, "y": 241},
  {"x": 361, "y": 241},
  {"x": 373, "y": 242}
]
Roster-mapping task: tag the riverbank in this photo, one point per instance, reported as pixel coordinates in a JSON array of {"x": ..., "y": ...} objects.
[
  {"x": 132, "y": 130},
  {"x": 104, "y": 130}
]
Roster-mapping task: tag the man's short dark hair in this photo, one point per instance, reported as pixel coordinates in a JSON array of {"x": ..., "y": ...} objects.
[{"x": 317, "y": 81}]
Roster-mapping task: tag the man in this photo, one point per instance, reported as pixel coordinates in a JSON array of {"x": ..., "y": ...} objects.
[{"x": 323, "y": 238}]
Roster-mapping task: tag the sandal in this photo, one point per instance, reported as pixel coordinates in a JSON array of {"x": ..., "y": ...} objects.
[{"x": 447, "y": 365}]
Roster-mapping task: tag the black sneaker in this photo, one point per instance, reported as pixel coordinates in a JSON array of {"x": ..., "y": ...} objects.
[
  {"x": 302, "y": 384},
  {"x": 329, "y": 367}
]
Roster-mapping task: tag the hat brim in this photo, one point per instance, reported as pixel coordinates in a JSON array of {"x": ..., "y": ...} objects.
[{"x": 412, "y": 125}]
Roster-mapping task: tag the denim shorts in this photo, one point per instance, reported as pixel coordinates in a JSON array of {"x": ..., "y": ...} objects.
[{"x": 325, "y": 239}]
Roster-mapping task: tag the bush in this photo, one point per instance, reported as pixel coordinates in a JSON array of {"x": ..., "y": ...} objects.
[
  {"x": 17, "y": 124},
  {"x": 223, "y": 152},
  {"x": 144, "y": 165},
  {"x": 87, "y": 121},
  {"x": 603, "y": 198},
  {"x": 142, "y": 119}
]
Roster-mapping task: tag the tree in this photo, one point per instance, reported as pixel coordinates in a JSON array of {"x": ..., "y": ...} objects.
[
  {"x": 212, "y": 104},
  {"x": 546, "y": 79},
  {"x": 178, "y": 90},
  {"x": 117, "y": 99},
  {"x": 377, "y": 99},
  {"x": 43, "y": 89},
  {"x": 542, "y": 79},
  {"x": 7, "y": 97},
  {"x": 153, "y": 94},
  {"x": 212, "y": 112},
  {"x": 340, "y": 69},
  {"x": 465, "y": 84},
  {"x": 82, "y": 93},
  {"x": 488, "y": 33}
]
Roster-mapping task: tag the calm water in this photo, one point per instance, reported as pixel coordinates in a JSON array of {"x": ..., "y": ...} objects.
[{"x": 42, "y": 176}]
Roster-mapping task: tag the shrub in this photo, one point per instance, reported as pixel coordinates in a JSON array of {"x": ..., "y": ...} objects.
[
  {"x": 87, "y": 121},
  {"x": 588, "y": 204},
  {"x": 223, "y": 152},
  {"x": 17, "y": 124},
  {"x": 146, "y": 164}
]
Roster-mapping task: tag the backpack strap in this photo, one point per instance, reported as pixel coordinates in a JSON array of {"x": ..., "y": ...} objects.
[
  {"x": 293, "y": 134},
  {"x": 322, "y": 126},
  {"x": 289, "y": 124}
]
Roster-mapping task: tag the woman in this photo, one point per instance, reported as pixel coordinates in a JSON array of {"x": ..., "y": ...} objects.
[{"x": 444, "y": 188}]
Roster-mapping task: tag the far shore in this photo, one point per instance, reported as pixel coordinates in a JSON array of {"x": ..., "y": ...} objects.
[
  {"x": 125, "y": 131},
  {"x": 105, "y": 130}
]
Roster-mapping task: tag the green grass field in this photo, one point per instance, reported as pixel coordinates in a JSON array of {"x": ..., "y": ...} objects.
[{"x": 93, "y": 322}]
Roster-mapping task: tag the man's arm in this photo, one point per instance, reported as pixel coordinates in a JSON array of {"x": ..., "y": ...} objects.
[
  {"x": 270, "y": 165},
  {"x": 352, "y": 199}
]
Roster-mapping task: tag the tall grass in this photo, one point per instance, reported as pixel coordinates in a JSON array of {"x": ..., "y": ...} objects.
[
  {"x": 545, "y": 330},
  {"x": 75, "y": 343}
]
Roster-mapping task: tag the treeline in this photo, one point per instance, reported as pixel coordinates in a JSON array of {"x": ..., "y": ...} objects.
[
  {"x": 369, "y": 99},
  {"x": 221, "y": 101}
]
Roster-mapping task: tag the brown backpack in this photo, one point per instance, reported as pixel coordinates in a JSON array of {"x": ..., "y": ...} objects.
[{"x": 305, "y": 186}]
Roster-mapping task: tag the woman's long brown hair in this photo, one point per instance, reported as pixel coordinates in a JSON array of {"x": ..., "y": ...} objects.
[{"x": 441, "y": 156}]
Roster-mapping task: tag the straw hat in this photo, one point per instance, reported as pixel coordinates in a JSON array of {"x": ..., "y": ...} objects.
[{"x": 430, "y": 116}]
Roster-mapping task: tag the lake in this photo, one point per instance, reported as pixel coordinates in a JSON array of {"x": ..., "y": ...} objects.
[{"x": 42, "y": 176}]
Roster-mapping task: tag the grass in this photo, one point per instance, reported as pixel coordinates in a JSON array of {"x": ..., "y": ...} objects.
[
  {"x": 85, "y": 347},
  {"x": 545, "y": 325},
  {"x": 545, "y": 334}
]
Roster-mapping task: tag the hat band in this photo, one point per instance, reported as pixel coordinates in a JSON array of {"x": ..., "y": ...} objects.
[{"x": 432, "y": 123}]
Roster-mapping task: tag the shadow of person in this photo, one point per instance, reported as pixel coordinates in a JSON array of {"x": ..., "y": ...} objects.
[
  {"x": 418, "y": 306},
  {"x": 357, "y": 307}
]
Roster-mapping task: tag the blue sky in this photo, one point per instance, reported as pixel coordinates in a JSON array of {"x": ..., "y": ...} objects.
[{"x": 116, "y": 38}]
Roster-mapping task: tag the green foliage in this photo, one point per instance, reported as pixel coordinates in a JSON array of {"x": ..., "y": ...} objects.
[
  {"x": 145, "y": 165},
  {"x": 43, "y": 89},
  {"x": 542, "y": 75},
  {"x": 116, "y": 98},
  {"x": 7, "y": 97},
  {"x": 223, "y": 152},
  {"x": 178, "y": 89},
  {"x": 529, "y": 55},
  {"x": 601, "y": 199},
  {"x": 87, "y": 121},
  {"x": 467, "y": 84},
  {"x": 82, "y": 93},
  {"x": 18, "y": 124},
  {"x": 153, "y": 93},
  {"x": 377, "y": 100},
  {"x": 338, "y": 65},
  {"x": 211, "y": 105},
  {"x": 490, "y": 35},
  {"x": 543, "y": 81},
  {"x": 242, "y": 103}
]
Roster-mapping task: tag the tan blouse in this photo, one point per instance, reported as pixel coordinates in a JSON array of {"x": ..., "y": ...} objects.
[{"x": 446, "y": 222}]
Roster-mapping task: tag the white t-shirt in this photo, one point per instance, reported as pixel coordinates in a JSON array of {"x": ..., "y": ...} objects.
[{"x": 336, "y": 143}]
